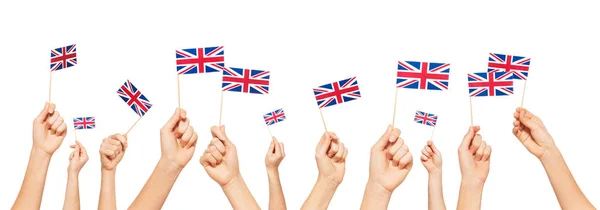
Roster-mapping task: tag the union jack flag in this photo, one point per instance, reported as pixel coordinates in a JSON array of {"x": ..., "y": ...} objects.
[
  {"x": 423, "y": 75},
  {"x": 200, "y": 60},
  {"x": 490, "y": 84},
  {"x": 426, "y": 118},
  {"x": 246, "y": 80},
  {"x": 337, "y": 92},
  {"x": 516, "y": 66},
  {"x": 82, "y": 123},
  {"x": 134, "y": 98},
  {"x": 63, "y": 57},
  {"x": 274, "y": 117}
]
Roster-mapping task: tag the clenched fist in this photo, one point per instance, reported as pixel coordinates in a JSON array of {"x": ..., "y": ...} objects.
[
  {"x": 275, "y": 155},
  {"x": 112, "y": 150},
  {"x": 49, "y": 130},
  {"x": 331, "y": 158},
  {"x": 391, "y": 161},
  {"x": 78, "y": 158},
  {"x": 220, "y": 158}
]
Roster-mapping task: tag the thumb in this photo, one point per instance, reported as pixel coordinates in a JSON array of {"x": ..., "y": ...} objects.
[
  {"x": 469, "y": 137},
  {"x": 324, "y": 143},
  {"x": 173, "y": 120},
  {"x": 526, "y": 118},
  {"x": 272, "y": 147},
  {"x": 43, "y": 114},
  {"x": 384, "y": 140}
]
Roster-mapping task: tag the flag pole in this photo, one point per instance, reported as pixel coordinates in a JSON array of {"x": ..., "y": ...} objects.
[
  {"x": 178, "y": 93},
  {"x": 50, "y": 88},
  {"x": 471, "y": 109},
  {"x": 133, "y": 125},
  {"x": 75, "y": 132},
  {"x": 395, "y": 101},
  {"x": 432, "y": 132},
  {"x": 269, "y": 129},
  {"x": 523, "y": 97},
  {"x": 323, "y": 119},
  {"x": 221, "y": 109}
]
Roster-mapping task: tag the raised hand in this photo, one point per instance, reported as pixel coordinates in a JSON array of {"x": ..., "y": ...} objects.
[
  {"x": 49, "y": 130},
  {"x": 220, "y": 158},
  {"x": 474, "y": 156},
  {"x": 78, "y": 158},
  {"x": 530, "y": 131},
  {"x": 112, "y": 151},
  {"x": 275, "y": 155},
  {"x": 431, "y": 158},
  {"x": 331, "y": 158},
  {"x": 178, "y": 139},
  {"x": 391, "y": 161}
]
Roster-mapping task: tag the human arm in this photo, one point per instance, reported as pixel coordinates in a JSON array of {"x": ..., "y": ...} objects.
[
  {"x": 532, "y": 133},
  {"x": 331, "y": 162},
  {"x": 49, "y": 130},
  {"x": 432, "y": 160},
  {"x": 221, "y": 163},
  {"x": 178, "y": 142},
  {"x": 77, "y": 160},
  {"x": 112, "y": 151},
  {"x": 390, "y": 163},
  {"x": 474, "y": 159},
  {"x": 275, "y": 155}
]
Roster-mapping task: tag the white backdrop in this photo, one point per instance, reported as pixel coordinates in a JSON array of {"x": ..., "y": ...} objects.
[{"x": 303, "y": 45}]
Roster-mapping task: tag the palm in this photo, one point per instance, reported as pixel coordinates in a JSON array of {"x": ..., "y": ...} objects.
[
  {"x": 429, "y": 165},
  {"x": 480, "y": 169},
  {"x": 389, "y": 176},
  {"x": 224, "y": 172},
  {"x": 45, "y": 140},
  {"x": 174, "y": 152},
  {"x": 332, "y": 170},
  {"x": 109, "y": 164}
]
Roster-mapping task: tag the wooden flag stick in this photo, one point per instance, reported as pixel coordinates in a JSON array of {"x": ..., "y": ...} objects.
[
  {"x": 75, "y": 132},
  {"x": 269, "y": 129},
  {"x": 178, "y": 93},
  {"x": 471, "y": 109},
  {"x": 50, "y": 88},
  {"x": 523, "y": 97},
  {"x": 221, "y": 109},
  {"x": 432, "y": 132},
  {"x": 133, "y": 126},
  {"x": 323, "y": 119},
  {"x": 395, "y": 101}
]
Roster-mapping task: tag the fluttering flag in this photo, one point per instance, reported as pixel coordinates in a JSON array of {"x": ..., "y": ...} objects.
[
  {"x": 426, "y": 118},
  {"x": 63, "y": 57},
  {"x": 84, "y": 123},
  {"x": 516, "y": 66},
  {"x": 246, "y": 80},
  {"x": 490, "y": 84},
  {"x": 274, "y": 117},
  {"x": 200, "y": 60},
  {"x": 423, "y": 75},
  {"x": 337, "y": 92},
  {"x": 134, "y": 98}
]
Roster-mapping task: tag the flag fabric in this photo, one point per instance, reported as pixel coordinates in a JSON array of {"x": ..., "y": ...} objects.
[
  {"x": 490, "y": 84},
  {"x": 63, "y": 57},
  {"x": 337, "y": 92},
  {"x": 200, "y": 60},
  {"x": 516, "y": 66},
  {"x": 274, "y": 117},
  {"x": 84, "y": 123},
  {"x": 426, "y": 118},
  {"x": 246, "y": 80},
  {"x": 134, "y": 98},
  {"x": 423, "y": 75}
]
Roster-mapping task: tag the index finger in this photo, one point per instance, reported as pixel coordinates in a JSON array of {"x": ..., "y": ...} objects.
[{"x": 469, "y": 137}]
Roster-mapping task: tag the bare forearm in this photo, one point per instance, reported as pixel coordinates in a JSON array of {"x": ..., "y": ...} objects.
[
  {"x": 470, "y": 194},
  {"x": 276, "y": 197},
  {"x": 239, "y": 195},
  {"x": 321, "y": 195},
  {"x": 435, "y": 192},
  {"x": 72, "y": 194},
  {"x": 108, "y": 198},
  {"x": 158, "y": 186},
  {"x": 375, "y": 197},
  {"x": 565, "y": 187},
  {"x": 30, "y": 196}
]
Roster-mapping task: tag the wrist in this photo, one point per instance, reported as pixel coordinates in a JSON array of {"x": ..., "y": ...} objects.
[
  {"x": 326, "y": 181},
  {"x": 169, "y": 166},
  {"x": 233, "y": 184},
  {"x": 472, "y": 184},
  {"x": 40, "y": 155},
  {"x": 272, "y": 171},
  {"x": 435, "y": 173},
  {"x": 108, "y": 172},
  {"x": 376, "y": 189},
  {"x": 551, "y": 155}
]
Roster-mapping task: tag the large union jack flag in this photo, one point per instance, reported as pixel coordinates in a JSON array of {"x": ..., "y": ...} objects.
[
  {"x": 426, "y": 118},
  {"x": 423, "y": 75},
  {"x": 134, "y": 98},
  {"x": 490, "y": 84},
  {"x": 516, "y": 66},
  {"x": 274, "y": 117},
  {"x": 200, "y": 60},
  {"x": 82, "y": 123},
  {"x": 246, "y": 80},
  {"x": 337, "y": 92},
  {"x": 63, "y": 57}
]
